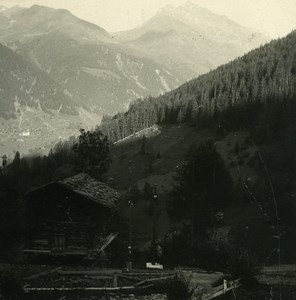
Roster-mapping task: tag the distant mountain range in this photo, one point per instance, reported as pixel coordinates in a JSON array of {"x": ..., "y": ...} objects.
[
  {"x": 24, "y": 84},
  {"x": 191, "y": 39},
  {"x": 19, "y": 25},
  {"x": 89, "y": 65},
  {"x": 61, "y": 65}
]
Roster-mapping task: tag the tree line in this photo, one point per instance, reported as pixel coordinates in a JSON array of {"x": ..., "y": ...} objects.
[{"x": 263, "y": 82}]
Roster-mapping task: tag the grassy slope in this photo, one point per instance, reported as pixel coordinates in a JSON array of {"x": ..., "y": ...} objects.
[
  {"x": 246, "y": 220},
  {"x": 172, "y": 142}
]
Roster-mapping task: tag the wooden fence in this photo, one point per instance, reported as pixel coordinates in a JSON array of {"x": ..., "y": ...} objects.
[
  {"x": 142, "y": 280},
  {"x": 226, "y": 287}
]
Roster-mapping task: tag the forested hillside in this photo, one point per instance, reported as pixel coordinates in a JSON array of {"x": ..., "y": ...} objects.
[
  {"x": 247, "y": 109},
  {"x": 259, "y": 83}
]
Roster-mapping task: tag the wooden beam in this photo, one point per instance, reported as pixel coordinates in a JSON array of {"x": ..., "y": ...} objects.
[
  {"x": 128, "y": 277},
  {"x": 150, "y": 273},
  {"x": 36, "y": 251},
  {"x": 123, "y": 288},
  {"x": 42, "y": 274},
  {"x": 154, "y": 279},
  {"x": 77, "y": 273}
]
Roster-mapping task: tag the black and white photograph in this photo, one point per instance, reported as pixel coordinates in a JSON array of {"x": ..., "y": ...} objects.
[{"x": 147, "y": 149}]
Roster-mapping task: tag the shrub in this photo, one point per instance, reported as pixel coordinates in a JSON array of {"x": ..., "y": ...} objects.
[
  {"x": 232, "y": 164},
  {"x": 236, "y": 148},
  {"x": 247, "y": 141},
  {"x": 252, "y": 161},
  {"x": 239, "y": 263},
  {"x": 245, "y": 154},
  {"x": 179, "y": 287},
  {"x": 243, "y": 265},
  {"x": 10, "y": 287},
  {"x": 241, "y": 161}
]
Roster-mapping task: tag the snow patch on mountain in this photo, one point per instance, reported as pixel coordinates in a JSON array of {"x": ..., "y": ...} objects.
[
  {"x": 119, "y": 62},
  {"x": 99, "y": 73},
  {"x": 136, "y": 79},
  {"x": 163, "y": 81}
]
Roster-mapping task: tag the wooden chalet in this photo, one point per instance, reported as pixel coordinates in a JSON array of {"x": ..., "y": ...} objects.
[{"x": 69, "y": 217}]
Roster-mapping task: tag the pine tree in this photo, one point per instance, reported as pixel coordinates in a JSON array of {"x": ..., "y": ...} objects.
[
  {"x": 4, "y": 161},
  {"x": 92, "y": 153},
  {"x": 204, "y": 185},
  {"x": 16, "y": 162},
  {"x": 143, "y": 145}
]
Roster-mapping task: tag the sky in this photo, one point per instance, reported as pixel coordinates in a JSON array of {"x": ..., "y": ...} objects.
[{"x": 272, "y": 17}]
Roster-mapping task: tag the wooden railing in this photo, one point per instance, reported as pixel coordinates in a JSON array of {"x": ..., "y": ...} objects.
[
  {"x": 142, "y": 280},
  {"x": 227, "y": 286}
]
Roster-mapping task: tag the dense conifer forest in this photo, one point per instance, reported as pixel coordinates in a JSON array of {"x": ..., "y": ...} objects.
[{"x": 257, "y": 89}]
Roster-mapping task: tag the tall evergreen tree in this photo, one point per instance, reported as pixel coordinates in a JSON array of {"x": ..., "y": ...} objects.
[
  {"x": 143, "y": 145},
  {"x": 16, "y": 162},
  {"x": 204, "y": 186},
  {"x": 92, "y": 153}
]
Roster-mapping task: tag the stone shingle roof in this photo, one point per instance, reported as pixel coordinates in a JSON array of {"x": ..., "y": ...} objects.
[{"x": 92, "y": 189}]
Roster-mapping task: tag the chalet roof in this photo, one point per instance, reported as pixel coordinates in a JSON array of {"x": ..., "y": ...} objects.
[{"x": 92, "y": 189}]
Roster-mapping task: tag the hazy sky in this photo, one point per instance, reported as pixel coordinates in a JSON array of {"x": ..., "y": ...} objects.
[{"x": 273, "y": 17}]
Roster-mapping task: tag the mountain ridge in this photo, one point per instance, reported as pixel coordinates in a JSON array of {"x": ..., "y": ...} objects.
[
  {"x": 201, "y": 34},
  {"x": 95, "y": 63},
  {"x": 37, "y": 20},
  {"x": 23, "y": 82}
]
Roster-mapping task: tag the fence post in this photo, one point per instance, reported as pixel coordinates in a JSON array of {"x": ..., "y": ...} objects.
[
  {"x": 115, "y": 281},
  {"x": 224, "y": 286}
]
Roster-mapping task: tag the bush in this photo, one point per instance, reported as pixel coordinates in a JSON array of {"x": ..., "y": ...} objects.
[
  {"x": 236, "y": 148},
  {"x": 241, "y": 161},
  {"x": 247, "y": 141},
  {"x": 232, "y": 164},
  {"x": 243, "y": 265},
  {"x": 237, "y": 262},
  {"x": 245, "y": 154},
  {"x": 252, "y": 161},
  {"x": 10, "y": 287},
  {"x": 179, "y": 287}
]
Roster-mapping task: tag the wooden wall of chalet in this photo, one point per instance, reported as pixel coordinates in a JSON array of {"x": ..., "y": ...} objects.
[{"x": 60, "y": 219}]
